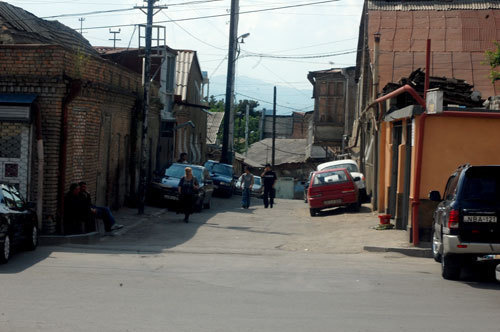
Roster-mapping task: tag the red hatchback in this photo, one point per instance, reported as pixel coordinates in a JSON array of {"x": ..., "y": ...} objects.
[{"x": 332, "y": 188}]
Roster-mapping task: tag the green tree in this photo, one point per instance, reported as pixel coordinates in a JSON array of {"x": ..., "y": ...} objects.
[
  {"x": 493, "y": 59},
  {"x": 239, "y": 121}
]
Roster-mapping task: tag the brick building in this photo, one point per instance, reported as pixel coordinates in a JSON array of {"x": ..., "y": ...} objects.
[
  {"x": 293, "y": 125},
  {"x": 82, "y": 110}
]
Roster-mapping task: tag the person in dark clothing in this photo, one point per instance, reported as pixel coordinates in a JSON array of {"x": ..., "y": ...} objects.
[
  {"x": 183, "y": 158},
  {"x": 100, "y": 212},
  {"x": 75, "y": 211},
  {"x": 188, "y": 186},
  {"x": 269, "y": 179}
]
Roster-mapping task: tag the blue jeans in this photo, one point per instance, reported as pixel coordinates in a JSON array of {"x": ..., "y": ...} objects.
[
  {"x": 105, "y": 214},
  {"x": 245, "y": 198}
]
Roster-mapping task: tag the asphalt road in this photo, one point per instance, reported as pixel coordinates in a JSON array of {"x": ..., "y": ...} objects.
[{"x": 237, "y": 270}]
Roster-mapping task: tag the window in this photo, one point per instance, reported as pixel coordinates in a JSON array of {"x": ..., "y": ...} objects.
[
  {"x": 329, "y": 178},
  {"x": 11, "y": 197},
  {"x": 451, "y": 187}
]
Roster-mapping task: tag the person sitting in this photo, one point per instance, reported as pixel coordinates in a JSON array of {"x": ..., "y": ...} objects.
[
  {"x": 76, "y": 213},
  {"x": 183, "y": 158},
  {"x": 100, "y": 212}
]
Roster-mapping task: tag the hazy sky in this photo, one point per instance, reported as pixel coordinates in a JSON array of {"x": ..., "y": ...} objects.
[{"x": 304, "y": 31}]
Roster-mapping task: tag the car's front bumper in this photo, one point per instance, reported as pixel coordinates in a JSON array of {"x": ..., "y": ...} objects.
[{"x": 453, "y": 245}]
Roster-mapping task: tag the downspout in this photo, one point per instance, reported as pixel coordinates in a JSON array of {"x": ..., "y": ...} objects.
[
  {"x": 74, "y": 89},
  {"x": 41, "y": 161}
]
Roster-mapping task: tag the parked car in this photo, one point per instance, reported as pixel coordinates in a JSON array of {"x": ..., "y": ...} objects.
[
  {"x": 332, "y": 188},
  {"x": 222, "y": 176},
  {"x": 465, "y": 223},
  {"x": 167, "y": 189},
  {"x": 353, "y": 168},
  {"x": 257, "y": 189},
  {"x": 18, "y": 222}
]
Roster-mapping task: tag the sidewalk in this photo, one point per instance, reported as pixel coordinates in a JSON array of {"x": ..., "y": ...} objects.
[{"x": 127, "y": 217}]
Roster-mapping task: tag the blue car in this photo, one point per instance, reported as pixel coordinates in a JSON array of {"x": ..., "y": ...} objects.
[
  {"x": 222, "y": 176},
  {"x": 167, "y": 189}
]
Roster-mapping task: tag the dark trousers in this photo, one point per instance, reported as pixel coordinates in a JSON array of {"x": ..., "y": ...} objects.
[
  {"x": 268, "y": 197},
  {"x": 105, "y": 214},
  {"x": 187, "y": 203},
  {"x": 245, "y": 198}
]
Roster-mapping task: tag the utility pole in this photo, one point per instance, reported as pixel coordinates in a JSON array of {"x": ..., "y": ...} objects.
[
  {"x": 227, "y": 141},
  {"x": 274, "y": 128},
  {"x": 247, "y": 114},
  {"x": 114, "y": 39},
  {"x": 145, "y": 108},
  {"x": 81, "y": 19}
]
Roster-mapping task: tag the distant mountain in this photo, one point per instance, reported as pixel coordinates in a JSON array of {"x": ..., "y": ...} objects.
[{"x": 288, "y": 99}]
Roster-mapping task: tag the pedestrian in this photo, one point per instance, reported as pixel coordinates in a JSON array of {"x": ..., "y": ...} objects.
[
  {"x": 75, "y": 212},
  {"x": 188, "y": 187},
  {"x": 183, "y": 158},
  {"x": 99, "y": 212},
  {"x": 269, "y": 179},
  {"x": 246, "y": 183}
]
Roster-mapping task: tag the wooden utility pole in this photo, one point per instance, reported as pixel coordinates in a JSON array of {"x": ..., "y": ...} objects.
[
  {"x": 114, "y": 39},
  {"x": 227, "y": 139},
  {"x": 274, "y": 129},
  {"x": 247, "y": 114}
]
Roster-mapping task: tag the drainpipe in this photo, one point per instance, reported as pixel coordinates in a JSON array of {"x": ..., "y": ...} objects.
[
  {"x": 74, "y": 89},
  {"x": 41, "y": 161}
]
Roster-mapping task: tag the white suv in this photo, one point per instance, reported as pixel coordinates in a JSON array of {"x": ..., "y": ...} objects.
[{"x": 353, "y": 168}]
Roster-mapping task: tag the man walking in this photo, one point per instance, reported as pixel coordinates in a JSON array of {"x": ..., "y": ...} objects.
[
  {"x": 269, "y": 178},
  {"x": 246, "y": 183}
]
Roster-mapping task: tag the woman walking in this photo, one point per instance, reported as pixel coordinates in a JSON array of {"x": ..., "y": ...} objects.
[
  {"x": 188, "y": 186},
  {"x": 246, "y": 182}
]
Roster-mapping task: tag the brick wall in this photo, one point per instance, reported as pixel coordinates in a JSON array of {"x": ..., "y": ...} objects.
[{"x": 103, "y": 121}]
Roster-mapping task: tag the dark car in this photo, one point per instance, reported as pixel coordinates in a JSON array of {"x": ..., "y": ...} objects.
[
  {"x": 167, "y": 189},
  {"x": 222, "y": 176},
  {"x": 332, "y": 188},
  {"x": 465, "y": 224},
  {"x": 18, "y": 223}
]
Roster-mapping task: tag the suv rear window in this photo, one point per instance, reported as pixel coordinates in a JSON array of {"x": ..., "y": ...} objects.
[
  {"x": 482, "y": 184},
  {"x": 329, "y": 177}
]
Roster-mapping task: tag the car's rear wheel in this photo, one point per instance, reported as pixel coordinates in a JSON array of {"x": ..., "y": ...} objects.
[
  {"x": 355, "y": 207},
  {"x": 32, "y": 238},
  {"x": 450, "y": 267},
  {"x": 436, "y": 243},
  {"x": 5, "y": 250}
]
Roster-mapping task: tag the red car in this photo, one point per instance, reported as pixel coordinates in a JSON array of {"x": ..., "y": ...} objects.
[{"x": 332, "y": 188}]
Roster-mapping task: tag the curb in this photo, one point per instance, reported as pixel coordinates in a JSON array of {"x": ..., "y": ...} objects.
[{"x": 413, "y": 252}]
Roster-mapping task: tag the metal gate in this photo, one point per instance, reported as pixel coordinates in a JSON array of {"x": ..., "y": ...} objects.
[{"x": 15, "y": 154}]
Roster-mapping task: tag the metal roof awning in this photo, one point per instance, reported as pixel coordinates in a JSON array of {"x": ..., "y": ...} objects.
[{"x": 16, "y": 107}]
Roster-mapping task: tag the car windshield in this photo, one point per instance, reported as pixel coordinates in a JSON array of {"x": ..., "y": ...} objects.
[
  {"x": 350, "y": 167},
  {"x": 177, "y": 171},
  {"x": 223, "y": 169},
  {"x": 256, "y": 180},
  {"x": 482, "y": 184},
  {"x": 329, "y": 178}
]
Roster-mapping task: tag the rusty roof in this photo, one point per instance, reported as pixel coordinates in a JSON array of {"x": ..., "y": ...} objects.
[
  {"x": 21, "y": 27},
  {"x": 436, "y": 5},
  {"x": 459, "y": 39}
]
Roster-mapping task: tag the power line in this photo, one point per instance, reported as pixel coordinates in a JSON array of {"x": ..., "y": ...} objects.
[
  {"x": 219, "y": 15},
  {"x": 312, "y": 56}
]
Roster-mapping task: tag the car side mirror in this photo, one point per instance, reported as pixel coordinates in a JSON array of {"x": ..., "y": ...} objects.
[
  {"x": 435, "y": 196},
  {"x": 356, "y": 178}
]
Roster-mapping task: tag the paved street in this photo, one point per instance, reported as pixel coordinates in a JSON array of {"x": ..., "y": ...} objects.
[{"x": 231, "y": 269}]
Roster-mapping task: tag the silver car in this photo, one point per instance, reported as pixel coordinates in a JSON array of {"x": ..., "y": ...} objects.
[{"x": 256, "y": 189}]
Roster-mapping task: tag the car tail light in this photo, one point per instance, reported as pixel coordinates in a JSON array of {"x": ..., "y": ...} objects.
[
  {"x": 362, "y": 178},
  {"x": 453, "y": 219},
  {"x": 461, "y": 246}
]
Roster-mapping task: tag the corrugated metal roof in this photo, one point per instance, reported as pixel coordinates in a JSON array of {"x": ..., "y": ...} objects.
[
  {"x": 214, "y": 120},
  {"x": 21, "y": 27},
  {"x": 435, "y": 5},
  {"x": 288, "y": 151},
  {"x": 459, "y": 39},
  {"x": 183, "y": 68}
]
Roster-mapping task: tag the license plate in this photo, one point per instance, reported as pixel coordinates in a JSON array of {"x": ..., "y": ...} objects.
[
  {"x": 333, "y": 201},
  {"x": 480, "y": 219},
  {"x": 173, "y": 198}
]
